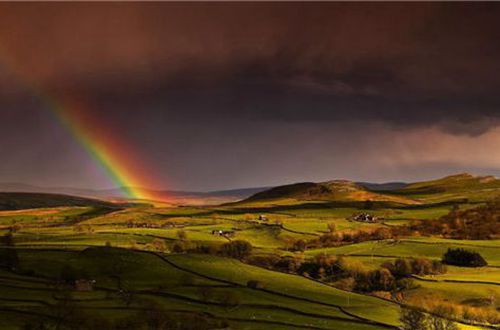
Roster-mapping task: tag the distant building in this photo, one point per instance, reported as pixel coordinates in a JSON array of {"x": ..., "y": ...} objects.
[
  {"x": 84, "y": 285},
  {"x": 225, "y": 233},
  {"x": 263, "y": 218},
  {"x": 131, "y": 224},
  {"x": 365, "y": 217}
]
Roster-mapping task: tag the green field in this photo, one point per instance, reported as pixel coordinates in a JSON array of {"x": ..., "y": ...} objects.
[{"x": 132, "y": 253}]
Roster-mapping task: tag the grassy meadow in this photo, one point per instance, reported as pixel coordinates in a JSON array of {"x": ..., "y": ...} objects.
[{"x": 142, "y": 257}]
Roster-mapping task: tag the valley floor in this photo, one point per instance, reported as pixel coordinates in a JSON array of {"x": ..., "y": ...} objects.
[{"x": 146, "y": 256}]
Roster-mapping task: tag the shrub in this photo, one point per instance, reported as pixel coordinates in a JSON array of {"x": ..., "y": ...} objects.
[
  {"x": 406, "y": 284},
  {"x": 413, "y": 319},
  {"x": 229, "y": 298},
  {"x": 464, "y": 258},
  {"x": 159, "y": 244},
  {"x": 206, "y": 293},
  {"x": 211, "y": 249},
  {"x": 254, "y": 284}
]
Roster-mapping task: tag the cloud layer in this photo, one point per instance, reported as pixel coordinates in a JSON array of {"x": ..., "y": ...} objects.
[{"x": 183, "y": 78}]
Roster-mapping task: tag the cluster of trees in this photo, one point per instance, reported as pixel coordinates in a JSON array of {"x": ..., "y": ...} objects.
[
  {"x": 334, "y": 238},
  {"x": 463, "y": 258},
  {"x": 478, "y": 223},
  {"x": 443, "y": 308},
  {"x": 287, "y": 264},
  {"x": 238, "y": 249},
  {"x": 395, "y": 276},
  {"x": 391, "y": 276},
  {"x": 403, "y": 267},
  {"x": 416, "y": 320}
]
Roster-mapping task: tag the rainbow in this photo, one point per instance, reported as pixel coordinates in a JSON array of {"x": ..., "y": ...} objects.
[{"x": 119, "y": 161}]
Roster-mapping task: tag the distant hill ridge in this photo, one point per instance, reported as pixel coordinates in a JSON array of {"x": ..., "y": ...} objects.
[
  {"x": 456, "y": 182},
  {"x": 463, "y": 185},
  {"x": 18, "y": 201},
  {"x": 335, "y": 190},
  {"x": 118, "y": 192}
]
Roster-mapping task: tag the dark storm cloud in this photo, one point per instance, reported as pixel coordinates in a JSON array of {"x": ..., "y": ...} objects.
[
  {"x": 405, "y": 64},
  {"x": 233, "y": 82}
]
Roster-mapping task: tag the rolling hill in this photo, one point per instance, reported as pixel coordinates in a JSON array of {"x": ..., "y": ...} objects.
[
  {"x": 18, "y": 201},
  {"x": 336, "y": 190},
  {"x": 454, "y": 187}
]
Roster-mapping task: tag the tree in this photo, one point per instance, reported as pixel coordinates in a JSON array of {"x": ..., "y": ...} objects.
[
  {"x": 181, "y": 234},
  {"x": 237, "y": 249},
  {"x": 402, "y": 267},
  {"x": 464, "y": 258},
  {"x": 159, "y": 244},
  {"x": 383, "y": 279},
  {"x": 439, "y": 323},
  {"x": 178, "y": 247},
  {"x": 8, "y": 255},
  {"x": 331, "y": 227},
  {"x": 368, "y": 205},
  {"x": 255, "y": 284},
  {"x": 422, "y": 266},
  {"x": 413, "y": 319},
  {"x": 300, "y": 245},
  {"x": 416, "y": 320}
]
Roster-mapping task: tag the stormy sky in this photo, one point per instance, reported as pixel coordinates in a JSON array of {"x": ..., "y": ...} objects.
[{"x": 215, "y": 96}]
